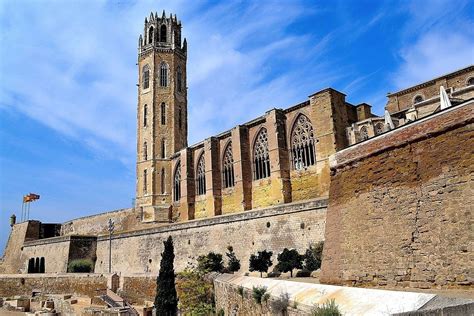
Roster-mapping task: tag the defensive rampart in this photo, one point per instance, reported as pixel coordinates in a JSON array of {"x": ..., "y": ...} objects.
[
  {"x": 294, "y": 225},
  {"x": 400, "y": 208}
]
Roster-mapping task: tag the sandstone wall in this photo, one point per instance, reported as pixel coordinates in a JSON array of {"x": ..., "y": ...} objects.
[
  {"x": 124, "y": 219},
  {"x": 400, "y": 208},
  {"x": 293, "y": 225},
  {"x": 79, "y": 284}
]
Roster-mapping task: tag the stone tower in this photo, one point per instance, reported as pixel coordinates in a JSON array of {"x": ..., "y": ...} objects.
[{"x": 162, "y": 112}]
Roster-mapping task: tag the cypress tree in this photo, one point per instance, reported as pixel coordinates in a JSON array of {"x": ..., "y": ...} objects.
[{"x": 166, "y": 300}]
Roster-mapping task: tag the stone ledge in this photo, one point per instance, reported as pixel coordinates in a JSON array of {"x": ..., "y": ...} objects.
[{"x": 59, "y": 239}]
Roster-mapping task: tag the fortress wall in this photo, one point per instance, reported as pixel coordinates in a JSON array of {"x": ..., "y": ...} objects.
[
  {"x": 83, "y": 284},
  {"x": 400, "y": 207},
  {"x": 124, "y": 219},
  {"x": 293, "y": 225}
]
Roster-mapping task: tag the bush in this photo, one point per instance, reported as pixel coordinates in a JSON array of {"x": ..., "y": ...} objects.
[
  {"x": 81, "y": 265},
  {"x": 260, "y": 262},
  {"x": 233, "y": 263},
  {"x": 195, "y": 293},
  {"x": 260, "y": 294},
  {"x": 289, "y": 260},
  {"x": 212, "y": 262},
  {"x": 327, "y": 309},
  {"x": 313, "y": 256}
]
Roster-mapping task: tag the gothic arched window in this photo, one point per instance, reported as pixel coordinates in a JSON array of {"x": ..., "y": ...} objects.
[
  {"x": 177, "y": 183},
  {"x": 144, "y": 182},
  {"x": 201, "y": 176},
  {"x": 163, "y": 148},
  {"x": 162, "y": 182},
  {"x": 163, "y": 113},
  {"x": 164, "y": 75},
  {"x": 261, "y": 158},
  {"x": 302, "y": 143},
  {"x": 163, "y": 33},
  {"x": 363, "y": 133},
  {"x": 145, "y": 151},
  {"x": 378, "y": 128},
  {"x": 228, "y": 167},
  {"x": 179, "y": 79},
  {"x": 470, "y": 81},
  {"x": 150, "y": 35},
  {"x": 418, "y": 99},
  {"x": 145, "y": 115},
  {"x": 146, "y": 77}
]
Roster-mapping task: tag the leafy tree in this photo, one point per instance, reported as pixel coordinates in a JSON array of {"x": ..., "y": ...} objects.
[
  {"x": 260, "y": 262},
  {"x": 166, "y": 300},
  {"x": 212, "y": 262},
  {"x": 313, "y": 256},
  {"x": 195, "y": 293},
  {"x": 233, "y": 263},
  {"x": 289, "y": 260}
]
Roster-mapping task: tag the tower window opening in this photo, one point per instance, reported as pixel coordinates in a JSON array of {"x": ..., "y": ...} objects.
[
  {"x": 144, "y": 181},
  {"x": 145, "y": 151},
  {"x": 145, "y": 115},
  {"x": 177, "y": 183},
  {"x": 179, "y": 80},
  {"x": 162, "y": 184},
  {"x": 261, "y": 160},
  {"x": 163, "y": 148},
  {"x": 150, "y": 35},
  {"x": 302, "y": 143},
  {"x": 164, "y": 75},
  {"x": 146, "y": 77},
  {"x": 163, "y": 113},
  {"x": 470, "y": 81},
  {"x": 163, "y": 33},
  {"x": 228, "y": 167},
  {"x": 180, "y": 120},
  {"x": 201, "y": 176}
]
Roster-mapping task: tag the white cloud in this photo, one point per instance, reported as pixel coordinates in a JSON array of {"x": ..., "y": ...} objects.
[{"x": 74, "y": 70}]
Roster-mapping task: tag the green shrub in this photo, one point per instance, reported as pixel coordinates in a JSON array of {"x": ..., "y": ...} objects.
[
  {"x": 212, "y": 262},
  {"x": 260, "y": 294},
  {"x": 240, "y": 290},
  {"x": 81, "y": 265},
  {"x": 313, "y": 256},
  {"x": 327, "y": 309}
]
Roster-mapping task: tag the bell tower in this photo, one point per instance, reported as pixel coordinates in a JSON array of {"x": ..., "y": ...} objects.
[{"x": 162, "y": 112}]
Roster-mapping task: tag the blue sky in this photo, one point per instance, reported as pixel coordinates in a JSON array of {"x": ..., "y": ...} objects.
[{"x": 68, "y": 75}]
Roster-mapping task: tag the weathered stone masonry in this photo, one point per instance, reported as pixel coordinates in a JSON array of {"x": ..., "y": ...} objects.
[
  {"x": 400, "y": 208},
  {"x": 294, "y": 225}
]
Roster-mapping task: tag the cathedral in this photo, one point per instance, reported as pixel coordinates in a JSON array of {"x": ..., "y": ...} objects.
[{"x": 279, "y": 157}]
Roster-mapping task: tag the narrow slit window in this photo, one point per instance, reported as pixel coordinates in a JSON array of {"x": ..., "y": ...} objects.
[{"x": 163, "y": 113}]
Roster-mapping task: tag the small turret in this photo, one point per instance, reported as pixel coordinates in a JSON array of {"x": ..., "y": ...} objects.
[{"x": 160, "y": 33}]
